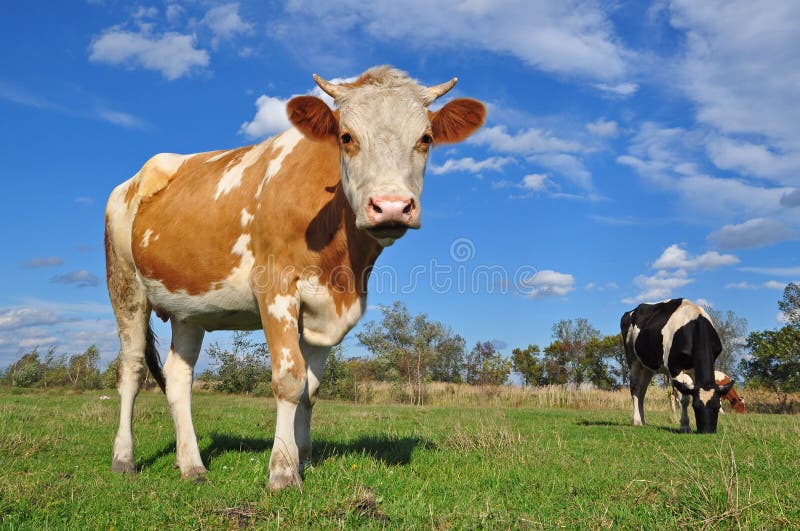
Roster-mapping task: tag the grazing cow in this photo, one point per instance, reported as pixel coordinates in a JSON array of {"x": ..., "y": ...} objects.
[
  {"x": 674, "y": 335},
  {"x": 737, "y": 402},
  {"x": 281, "y": 236}
]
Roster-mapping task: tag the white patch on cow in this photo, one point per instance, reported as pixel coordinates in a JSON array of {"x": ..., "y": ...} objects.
[
  {"x": 685, "y": 313},
  {"x": 719, "y": 375},
  {"x": 685, "y": 379},
  {"x": 230, "y": 304},
  {"x": 146, "y": 238},
  {"x": 232, "y": 176},
  {"x": 322, "y": 324},
  {"x": 280, "y": 310},
  {"x": 168, "y": 162},
  {"x": 286, "y": 363},
  {"x": 241, "y": 247},
  {"x": 247, "y": 217},
  {"x": 633, "y": 333},
  {"x": 283, "y": 144},
  {"x": 705, "y": 395},
  {"x": 637, "y": 418},
  {"x": 215, "y": 158}
]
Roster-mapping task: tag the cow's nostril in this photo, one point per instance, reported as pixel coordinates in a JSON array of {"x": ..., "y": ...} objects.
[
  {"x": 375, "y": 207},
  {"x": 409, "y": 207}
]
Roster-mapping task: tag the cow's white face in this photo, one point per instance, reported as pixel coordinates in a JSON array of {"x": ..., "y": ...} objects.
[{"x": 385, "y": 131}]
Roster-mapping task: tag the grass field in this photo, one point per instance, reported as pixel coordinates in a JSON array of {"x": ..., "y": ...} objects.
[{"x": 395, "y": 467}]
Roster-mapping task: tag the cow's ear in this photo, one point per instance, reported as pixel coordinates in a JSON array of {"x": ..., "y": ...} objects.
[
  {"x": 457, "y": 120},
  {"x": 312, "y": 117},
  {"x": 723, "y": 389},
  {"x": 682, "y": 387}
]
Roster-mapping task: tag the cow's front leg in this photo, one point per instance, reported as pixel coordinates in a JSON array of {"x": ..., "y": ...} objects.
[
  {"x": 289, "y": 384},
  {"x": 686, "y": 426}
]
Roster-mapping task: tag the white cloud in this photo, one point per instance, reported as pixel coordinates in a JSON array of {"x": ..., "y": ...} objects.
[
  {"x": 668, "y": 157},
  {"x": 753, "y": 233},
  {"x": 565, "y": 37},
  {"x": 173, "y": 12},
  {"x": 659, "y": 286},
  {"x": 740, "y": 69},
  {"x": 567, "y": 165},
  {"x": 791, "y": 199},
  {"x": 674, "y": 257},
  {"x": 756, "y": 160},
  {"x": 603, "y": 128},
  {"x": 549, "y": 283},
  {"x": 15, "y": 318},
  {"x": 540, "y": 147},
  {"x": 524, "y": 142},
  {"x": 225, "y": 22},
  {"x": 591, "y": 286},
  {"x": 270, "y": 118},
  {"x": 119, "y": 118},
  {"x": 81, "y": 279},
  {"x": 50, "y": 261},
  {"x": 172, "y": 54},
  {"x": 620, "y": 89},
  {"x": 536, "y": 182},
  {"x": 770, "y": 284},
  {"x": 778, "y": 271},
  {"x": 470, "y": 165}
]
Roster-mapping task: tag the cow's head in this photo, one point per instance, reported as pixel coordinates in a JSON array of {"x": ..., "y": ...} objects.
[
  {"x": 384, "y": 131},
  {"x": 705, "y": 402}
]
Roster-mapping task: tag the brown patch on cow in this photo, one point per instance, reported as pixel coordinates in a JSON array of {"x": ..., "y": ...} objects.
[
  {"x": 196, "y": 232},
  {"x": 313, "y": 117},
  {"x": 457, "y": 120},
  {"x": 132, "y": 190},
  {"x": 329, "y": 244}
]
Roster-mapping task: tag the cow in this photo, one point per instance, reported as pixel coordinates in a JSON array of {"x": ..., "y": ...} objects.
[
  {"x": 737, "y": 402},
  {"x": 280, "y": 235},
  {"x": 674, "y": 336}
]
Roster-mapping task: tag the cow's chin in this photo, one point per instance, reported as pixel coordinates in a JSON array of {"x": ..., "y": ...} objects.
[{"x": 387, "y": 233}]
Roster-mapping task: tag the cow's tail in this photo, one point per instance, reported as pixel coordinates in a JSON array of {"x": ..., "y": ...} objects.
[{"x": 152, "y": 358}]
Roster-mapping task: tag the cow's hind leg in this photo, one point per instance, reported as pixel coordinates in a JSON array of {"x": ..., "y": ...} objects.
[
  {"x": 132, "y": 312},
  {"x": 640, "y": 380},
  {"x": 187, "y": 340},
  {"x": 315, "y": 358}
]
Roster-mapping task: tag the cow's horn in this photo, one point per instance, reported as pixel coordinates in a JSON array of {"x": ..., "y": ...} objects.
[
  {"x": 435, "y": 92},
  {"x": 334, "y": 91}
]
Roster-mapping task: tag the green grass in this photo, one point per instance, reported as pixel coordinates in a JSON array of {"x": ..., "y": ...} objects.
[{"x": 395, "y": 467}]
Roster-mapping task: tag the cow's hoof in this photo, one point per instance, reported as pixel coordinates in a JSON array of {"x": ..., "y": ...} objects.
[
  {"x": 282, "y": 481},
  {"x": 123, "y": 467},
  {"x": 686, "y": 429},
  {"x": 196, "y": 473}
]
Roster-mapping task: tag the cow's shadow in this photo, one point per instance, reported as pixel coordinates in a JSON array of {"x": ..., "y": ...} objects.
[
  {"x": 388, "y": 450},
  {"x": 620, "y": 424}
]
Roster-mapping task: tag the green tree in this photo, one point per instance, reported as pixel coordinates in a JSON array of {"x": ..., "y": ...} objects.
[
  {"x": 566, "y": 357},
  {"x": 412, "y": 349},
  {"x": 790, "y": 304},
  {"x": 83, "y": 371},
  {"x": 26, "y": 371},
  {"x": 486, "y": 366},
  {"x": 527, "y": 363},
  {"x": 245, "y": 368},
  {"x": 732, "y": 331},
  {"x": 774, "y": 361},
  {"x": 108, "y": 379},
  {"x": 604, "y": 363}
]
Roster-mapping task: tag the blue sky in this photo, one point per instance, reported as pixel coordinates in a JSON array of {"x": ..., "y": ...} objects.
[{"x": 633, "y": 151}]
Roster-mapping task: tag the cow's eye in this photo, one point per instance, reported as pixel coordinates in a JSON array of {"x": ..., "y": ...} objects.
[
  {"x": 346, "y": 138},
  {"x": 426, "y": 139}
]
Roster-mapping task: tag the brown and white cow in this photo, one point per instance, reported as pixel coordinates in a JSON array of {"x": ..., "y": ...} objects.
[{"x": 280, "y": 235}]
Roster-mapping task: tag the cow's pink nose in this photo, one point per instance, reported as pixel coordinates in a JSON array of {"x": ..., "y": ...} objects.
[{"x": 391, "y": 210}]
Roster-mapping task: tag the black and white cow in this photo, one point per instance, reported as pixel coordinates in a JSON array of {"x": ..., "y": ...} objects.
[{"x": 674, "y": 335}]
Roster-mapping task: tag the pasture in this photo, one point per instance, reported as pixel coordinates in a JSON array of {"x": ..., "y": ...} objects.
[{"x": 377, "y": 466}]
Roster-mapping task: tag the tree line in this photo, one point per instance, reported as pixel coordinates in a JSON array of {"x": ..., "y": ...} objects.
[{"x": 410, "y": 351}]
